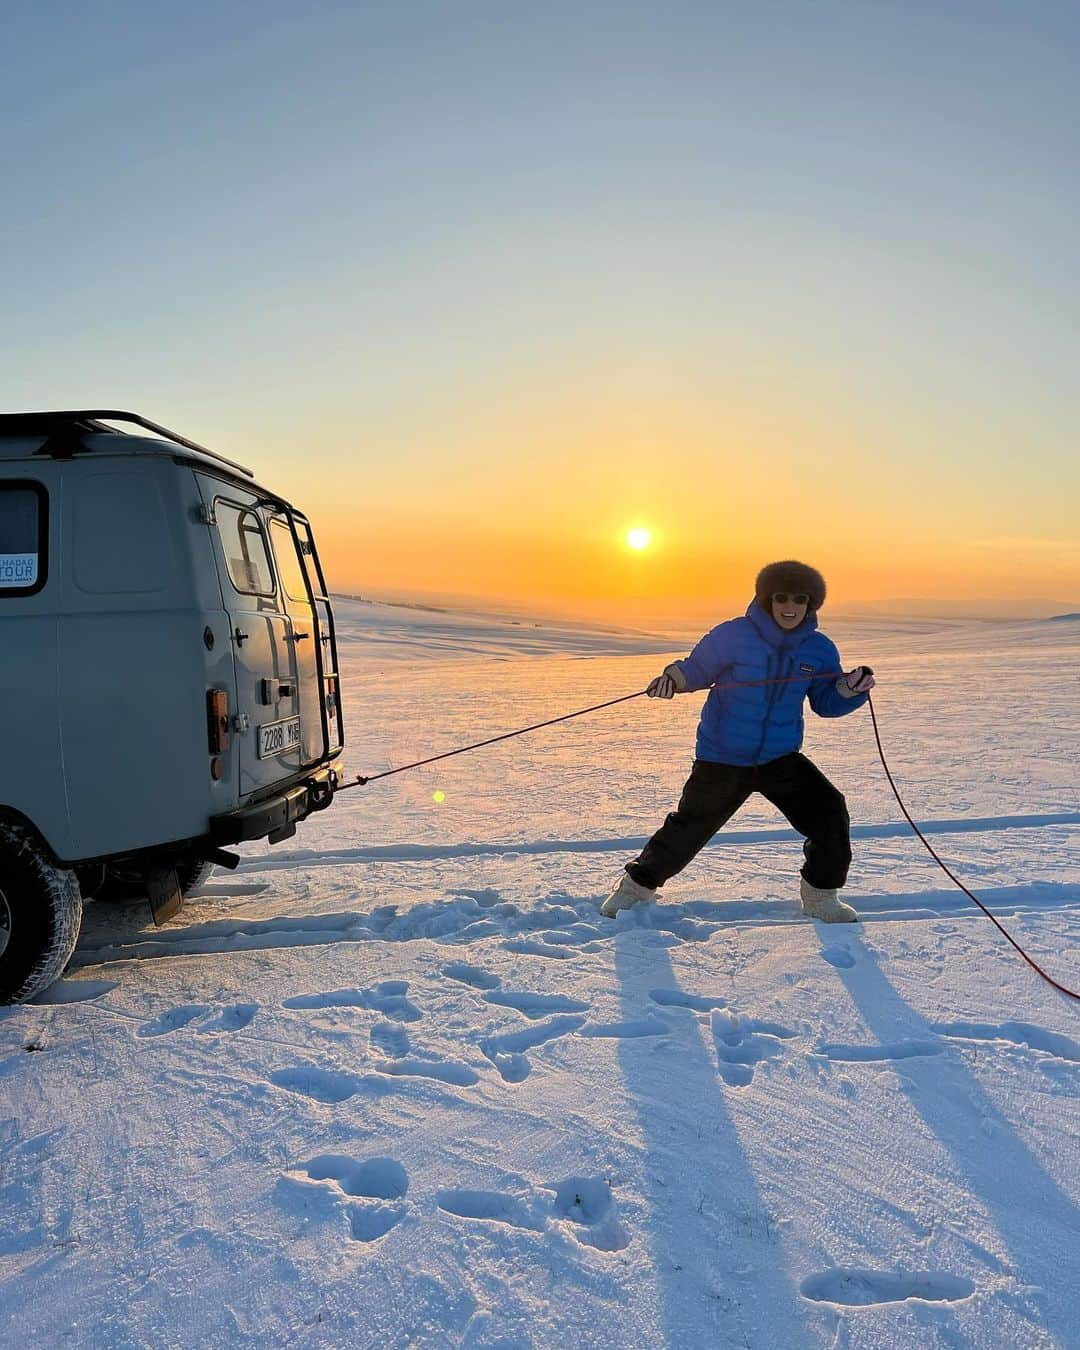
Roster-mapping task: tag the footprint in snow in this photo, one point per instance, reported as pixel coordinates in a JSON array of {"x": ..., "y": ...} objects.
[
  {"x": 368, "y": 1196},
  {"x": 233, "y": 1018},
  {"x": 838, "y": 956},
  {"x": 507, "y": 1051},
  {"x": 173, "y": 1020},
  {"x": 326, "y": 1085},
  {"x": 387, "y": 998},
  {"x": 490, "y": 1207},
  {"x": 856, "y": 1288},
  {"x": 582, "y": 1206},
  {"x": 1021, "y": 1034},
  {"x": 390, "y": 1039},
  {"x": 319, "y": 1085},
  {"x": 473, "y": 976},
  {"x": 588, "y": 1205},
  {"x": 442, "y": 1070},
  {"x": 677, "y": 998},
  {"x": 535, "y": 1006},
  {"x": 879, "y": 1054},
  {"x": 742, "y": 1043}
]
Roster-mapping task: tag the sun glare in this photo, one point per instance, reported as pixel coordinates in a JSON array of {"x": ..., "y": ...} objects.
[{"x": 638, "y": 538}]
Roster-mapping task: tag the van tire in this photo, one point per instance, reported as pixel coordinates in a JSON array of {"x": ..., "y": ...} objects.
[
  {"x": 40, "y": 914},
  {"x": 122, "y": 886},
  {"x": 193, "y": 875}
]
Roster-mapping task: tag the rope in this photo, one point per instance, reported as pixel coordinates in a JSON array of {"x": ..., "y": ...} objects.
[
  {"x": 1071, "y": 993},
  {"x": 361, "y": 780}
]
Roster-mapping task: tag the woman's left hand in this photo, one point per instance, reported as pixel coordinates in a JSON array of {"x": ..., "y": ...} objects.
[{"x": 860, "y": 680}]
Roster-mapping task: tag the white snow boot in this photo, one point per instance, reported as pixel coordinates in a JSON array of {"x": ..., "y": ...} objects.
[
  {"x": 824, "y": 905},
  {"x": 627, "y": 893}
]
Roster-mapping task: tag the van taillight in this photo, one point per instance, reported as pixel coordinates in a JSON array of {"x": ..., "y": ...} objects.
[{"x": 217, "y": 720}]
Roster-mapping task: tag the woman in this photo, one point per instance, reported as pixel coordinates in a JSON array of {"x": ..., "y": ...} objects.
[{"x": 763, "y": 666}]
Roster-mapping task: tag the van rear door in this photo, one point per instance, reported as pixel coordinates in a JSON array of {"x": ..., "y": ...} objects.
[
  {"x": 313, "y": 643},
  {"x": 267, "y": 688}
]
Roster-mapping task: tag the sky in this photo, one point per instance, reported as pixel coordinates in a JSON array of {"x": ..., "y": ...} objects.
[{"x": 482, "y": 286}]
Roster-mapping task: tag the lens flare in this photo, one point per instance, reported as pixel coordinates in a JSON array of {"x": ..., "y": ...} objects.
[{"x": 438, "y": 795}]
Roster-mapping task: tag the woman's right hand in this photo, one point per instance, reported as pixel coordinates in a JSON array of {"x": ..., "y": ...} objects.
[{"x": 662, "y": 687}]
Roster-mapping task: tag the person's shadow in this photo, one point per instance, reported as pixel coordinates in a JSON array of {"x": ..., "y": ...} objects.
[
  {"x": 1038, "y": 1225},
  {"x": 719, "y": 1271}
]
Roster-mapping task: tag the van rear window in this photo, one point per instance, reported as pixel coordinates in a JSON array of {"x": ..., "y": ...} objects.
[
  {"x": 23, "y": 537},
  {"x": 288, "y": 563},
  {"x": 244, "y": 545}
]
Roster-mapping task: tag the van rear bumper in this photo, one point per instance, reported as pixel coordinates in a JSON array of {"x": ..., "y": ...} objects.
[{"x": 275, "y": 813}]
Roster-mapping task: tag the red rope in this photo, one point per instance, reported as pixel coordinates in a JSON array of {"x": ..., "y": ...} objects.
[{"x": 956, "y": 882}]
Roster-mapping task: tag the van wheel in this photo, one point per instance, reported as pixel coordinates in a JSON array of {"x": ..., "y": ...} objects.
[
  {"x": 121, "y": 885},
  {"x": 40, "y": 915},
  {"x": 193, "y": 875}
]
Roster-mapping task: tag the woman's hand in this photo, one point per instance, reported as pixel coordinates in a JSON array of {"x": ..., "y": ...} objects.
[
  {"x": 858, "y": 681},
  {"x": 662, "y": 687}
]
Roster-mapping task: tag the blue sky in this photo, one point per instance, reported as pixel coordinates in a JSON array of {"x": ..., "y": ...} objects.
[{"x": 810, "y": 241}]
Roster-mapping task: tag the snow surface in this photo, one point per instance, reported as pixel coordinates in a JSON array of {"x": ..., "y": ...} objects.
[{"x": 396, "y": 1083}]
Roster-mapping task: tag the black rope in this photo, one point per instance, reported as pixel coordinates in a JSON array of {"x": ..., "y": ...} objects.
[{"x": 361, "y": 779}]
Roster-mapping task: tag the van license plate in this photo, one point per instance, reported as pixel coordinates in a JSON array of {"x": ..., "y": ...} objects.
[{"x": 277, "y": 737}]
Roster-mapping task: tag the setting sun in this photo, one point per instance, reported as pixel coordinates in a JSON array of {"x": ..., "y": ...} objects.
[{"x": 638, "y": 538}]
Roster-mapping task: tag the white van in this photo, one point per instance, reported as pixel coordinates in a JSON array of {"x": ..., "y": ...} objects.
[{"x": 168, "y": 674}]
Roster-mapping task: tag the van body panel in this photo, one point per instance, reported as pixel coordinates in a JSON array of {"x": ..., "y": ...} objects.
[
  {"x": 135, "y": 772},
  {"x": 133, "y": 659}
]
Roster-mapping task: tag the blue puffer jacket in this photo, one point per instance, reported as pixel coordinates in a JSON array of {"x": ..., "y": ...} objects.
[{"x": 764, "y": 721}]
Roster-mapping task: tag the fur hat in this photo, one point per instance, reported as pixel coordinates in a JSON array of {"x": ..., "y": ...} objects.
[{"x": 794, "y": 577}]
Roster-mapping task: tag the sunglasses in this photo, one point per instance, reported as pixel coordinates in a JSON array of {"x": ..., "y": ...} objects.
[{"x": 782, "y": 598}]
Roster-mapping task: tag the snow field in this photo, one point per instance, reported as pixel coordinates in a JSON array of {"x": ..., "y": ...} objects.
[{"x": 396, "y": 1083}]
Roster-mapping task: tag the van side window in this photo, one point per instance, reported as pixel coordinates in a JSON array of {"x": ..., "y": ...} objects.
[
  {"x": 23, "y": 538},
  {"x": 287, "y": 561},
  {"x": 244, "y": 545}
]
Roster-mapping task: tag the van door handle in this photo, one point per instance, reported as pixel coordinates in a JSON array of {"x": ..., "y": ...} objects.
[
  {"x": 300, "y": 637},
  {"x": 241, "y": 638}
]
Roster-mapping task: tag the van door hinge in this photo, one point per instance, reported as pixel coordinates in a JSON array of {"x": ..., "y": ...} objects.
[{"x": 206, "y": 515}]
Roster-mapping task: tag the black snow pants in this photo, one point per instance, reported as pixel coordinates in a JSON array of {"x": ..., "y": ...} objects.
[{"x": 714, "y": 792}]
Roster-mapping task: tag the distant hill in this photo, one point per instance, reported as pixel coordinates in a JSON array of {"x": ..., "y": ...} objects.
[{"x": 1062, "y": 618}]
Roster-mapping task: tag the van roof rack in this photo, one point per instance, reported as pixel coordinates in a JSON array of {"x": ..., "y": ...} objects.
[{"x": 66, "y": 429}]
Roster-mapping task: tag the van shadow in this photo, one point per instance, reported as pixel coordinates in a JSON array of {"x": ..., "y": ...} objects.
[
  {"x": 1037, "y": 1223},
  {"x": 718, "y": 1265}
]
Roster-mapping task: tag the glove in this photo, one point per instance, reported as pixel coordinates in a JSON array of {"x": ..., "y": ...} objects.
[
  {"x": 662, "y": 687},
  {"x": 855, "y": 682}
]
